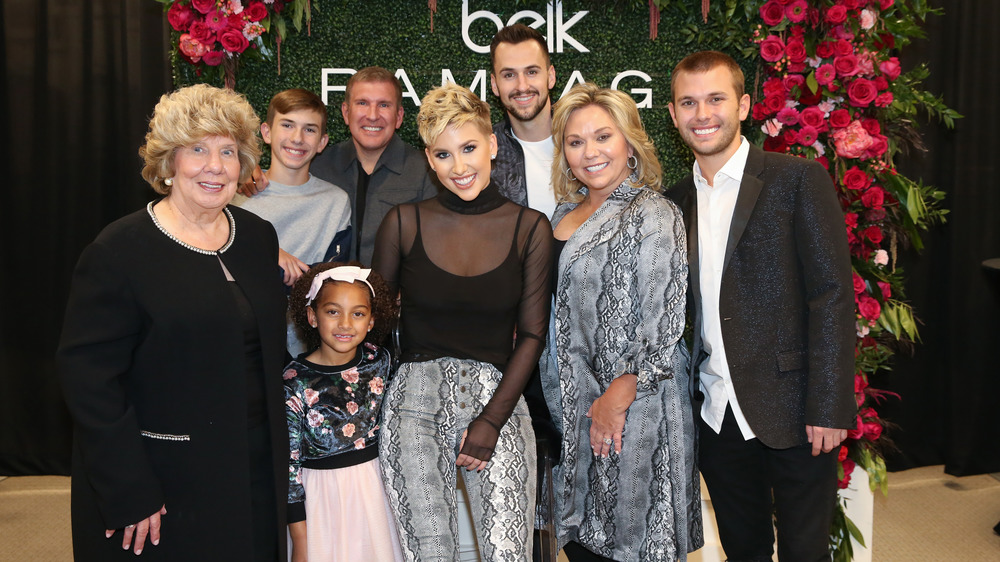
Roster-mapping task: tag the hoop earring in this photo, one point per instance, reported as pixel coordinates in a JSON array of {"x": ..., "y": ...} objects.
[
  {"x": 632, "y": 162},
  {"x": 569, "y": 174}
]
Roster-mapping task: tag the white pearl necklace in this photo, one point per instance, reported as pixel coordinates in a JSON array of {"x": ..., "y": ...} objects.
[{"x": 232, "y": 232}]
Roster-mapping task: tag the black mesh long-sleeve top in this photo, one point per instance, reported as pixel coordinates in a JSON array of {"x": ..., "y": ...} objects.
[{"x": 471, "y": 275}]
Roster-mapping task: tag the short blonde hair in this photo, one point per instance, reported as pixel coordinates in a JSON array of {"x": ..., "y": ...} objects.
[
  {"x": 186, "y": 116},
  {"x": 624, "y": 114},
  {"x": 451, "y": 105}
]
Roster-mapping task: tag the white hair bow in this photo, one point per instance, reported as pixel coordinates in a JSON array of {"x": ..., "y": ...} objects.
[{"x": 347, "y": 273}]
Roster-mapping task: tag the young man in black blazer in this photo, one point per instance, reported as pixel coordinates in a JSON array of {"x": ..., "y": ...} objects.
[{"x": 774, "y": 330}]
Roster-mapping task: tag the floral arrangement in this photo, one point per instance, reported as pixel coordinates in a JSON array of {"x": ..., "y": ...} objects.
[
  {"x": 834, "y": 92},
  {"x": 214, "y": 33}
]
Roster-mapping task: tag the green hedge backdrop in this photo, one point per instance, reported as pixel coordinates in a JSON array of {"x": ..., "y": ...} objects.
[{"x": 396, "y": 34}]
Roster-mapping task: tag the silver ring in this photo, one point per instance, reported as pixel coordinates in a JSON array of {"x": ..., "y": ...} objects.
[
  {"x": 130, "y": 526},
  {"x": 608, "y": 441}
]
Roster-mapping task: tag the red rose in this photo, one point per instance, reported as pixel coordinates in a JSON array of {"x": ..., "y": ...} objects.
[
  {"x": 791, "y": 136},
  {"x": 796, "y": 50},
  {"x": 890, "y": 68},
  {"x": 851, "y": 4},
  {"x": 796, "y": 10},
  {"x": 203, "y": 6},
  {"x": 862, "y": 92},
  {"x": 842, "y": 453},
  {"x": 840, "y": 118},
  {"x": 843, "y": 47},
  {"x": 826, "y": 74},
  {"x": 885, "y": 42},
  {"x": 772, "y": 49},
  {"x": 237, "y": 21},
  {"x": 846, "y": 65},
  {"x": 860, "y": 383},
  {"x": 881, "y": 83},
  {"x": 774, "y": 103},
  {"x": 885, "y": 4},
  {"x": 874, "y": 234},
  {"x": 180, "y": 17},
  {"x": 859, "y": 283},
  {"x": 772, "y": 13},
  {"x": 774, "y": 87},
  {"x": 808, "y": 98},
  {"x": 848, "y": 467},
  {"x": 875, "y": 215},
  {"x": 812, "y": 14},
  {"x": 813, "y": 117},
  {"x": 213, "y": 58},
  {"x": 878, "y": 146},
  {"x": 873, "y": 197},
  {"x": 234, "y": 41},
  {"x": 851, "y": 220},
  {"x": 869, "y": 309},
  {"x": 884, "y": 99},
  {"x": 256, "y": 11},
  {"x": 872, "y": 126},
  {"x": 824, "y": 162},
  {"x": 886, "y": 290},
  {"x": 855, "y": 179},
  {"x": 807, "y": 135},
  {"x": 793, "y": 81},
  {"x": 835, "y": 15},
  {"x": 872, "y": 430},
  {"x": 825, "y": 49},
  {"x": 201, "y": 32},
  {"x": 775, "y": 144}
]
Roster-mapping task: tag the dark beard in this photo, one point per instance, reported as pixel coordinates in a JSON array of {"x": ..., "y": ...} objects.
[{"x": 532, "y": 111}]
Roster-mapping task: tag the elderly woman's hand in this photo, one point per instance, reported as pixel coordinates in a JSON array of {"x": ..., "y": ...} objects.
[
  {"x": 607, "y": 415},
  {"x": 149, "y": 525}
]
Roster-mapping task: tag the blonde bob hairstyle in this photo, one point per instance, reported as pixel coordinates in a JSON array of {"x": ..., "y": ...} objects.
[
  {"x": 622, "y": 109},
  {"x": 188, "y": 115},
  {"x": 451, "y": 105}
]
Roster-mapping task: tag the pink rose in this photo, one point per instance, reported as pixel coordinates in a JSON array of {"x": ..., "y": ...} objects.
[
  {"x": 890, "y": 68},
  {"x": 180, "y": 16},
  {"x": 314, "y": 418},
  {"x": 214, "y": 58},
  {"x": 256, "y": 11},
  {"x": 359, "y": 443},
  {"x": 846, "y": 65},
  {"x": 203, "y": 6},
  {"x": 772, "y": 12},
  {"x": 348, "y": 430},
  {"x": 851, "y": 141},
  {"x": 311, "y": 396},
  {"x": 191, "y": 47},
  {"x": 835, "y": 15},
  {"x": 352, "y": 407},
  {"x": 788, "y": 116},
  {"x": 795, "y": 49},
  {"x": 855, "y": 179},
  {"x": 869, "y": 308},
  {"x": 873, "y": 197},
  {"x": 376, "y": 385},
  {"x": 350, "y": 375},
  {"x": 881, "y": 257},
  {"x": 867, "y": 19},
  {"x": 807, "y": 135},
  {"x": 796, "y": 10},
  {"x": 772, "y": 49},
  {"x": 771, "y": 127},
  {"x": 813, "y": 117},
  {"x": 233, "y": 41},
  {"x": 793, "y": 81},
  {"x": 289, "y": 374},
  {"x": 825, "y": 74}
]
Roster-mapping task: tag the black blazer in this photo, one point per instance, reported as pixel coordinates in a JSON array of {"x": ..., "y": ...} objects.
[
  {"x": 152, "y": 365},
  {"x": 786, "y": 299}
]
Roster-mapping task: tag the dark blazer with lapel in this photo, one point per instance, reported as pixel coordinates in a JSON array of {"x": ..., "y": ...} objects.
[{"x": 786, "y": 299}]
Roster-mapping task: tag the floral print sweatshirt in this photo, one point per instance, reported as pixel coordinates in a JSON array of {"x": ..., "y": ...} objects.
[{"x": 332, "y": 415}]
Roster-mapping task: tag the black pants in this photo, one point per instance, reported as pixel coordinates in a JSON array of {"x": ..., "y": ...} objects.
[{"x": 748, "y": 482}]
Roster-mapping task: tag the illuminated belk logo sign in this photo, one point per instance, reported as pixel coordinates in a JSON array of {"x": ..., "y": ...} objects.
[{"x": 556, "y": 28}]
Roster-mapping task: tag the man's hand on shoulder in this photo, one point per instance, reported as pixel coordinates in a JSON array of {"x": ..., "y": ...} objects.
[
  {"x": 824, "y": 439},
  {"x": 258, "y": 182}
]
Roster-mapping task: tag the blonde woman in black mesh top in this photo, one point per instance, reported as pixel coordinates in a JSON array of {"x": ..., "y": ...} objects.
[{"x": 472, "y": 269}]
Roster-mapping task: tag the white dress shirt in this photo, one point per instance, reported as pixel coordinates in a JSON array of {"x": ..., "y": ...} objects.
[{"x": 716, "y": 204}]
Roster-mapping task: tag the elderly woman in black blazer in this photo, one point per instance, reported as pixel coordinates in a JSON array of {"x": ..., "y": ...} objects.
[{"x": 170, "y": 354}]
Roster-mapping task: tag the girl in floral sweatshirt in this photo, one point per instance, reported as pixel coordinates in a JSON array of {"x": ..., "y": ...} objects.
[{"x": 336, "y": 503}]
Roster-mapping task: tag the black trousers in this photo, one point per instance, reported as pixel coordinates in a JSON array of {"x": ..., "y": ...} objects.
[{"x": 749, "y": 482}]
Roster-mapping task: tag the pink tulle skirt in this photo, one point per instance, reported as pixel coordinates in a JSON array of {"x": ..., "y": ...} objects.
[{"x": 347, "y": 516}]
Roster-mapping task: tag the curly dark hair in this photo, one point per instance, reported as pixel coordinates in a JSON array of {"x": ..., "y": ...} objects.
[{"x": 384, "y": 308}]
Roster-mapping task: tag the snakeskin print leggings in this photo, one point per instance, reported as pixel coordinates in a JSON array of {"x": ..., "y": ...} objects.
[{"x": 427, "y": 407}]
